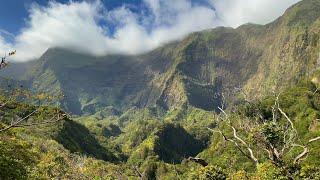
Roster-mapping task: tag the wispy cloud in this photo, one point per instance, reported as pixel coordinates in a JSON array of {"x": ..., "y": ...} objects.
[
  {"x": 84, "y": 26},
  {"x": 6, "y": 33}
]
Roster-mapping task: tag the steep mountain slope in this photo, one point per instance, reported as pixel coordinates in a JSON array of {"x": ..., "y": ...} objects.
[
  {"x": 90, "y": 84},
  {"x": 204, "y": 70}
]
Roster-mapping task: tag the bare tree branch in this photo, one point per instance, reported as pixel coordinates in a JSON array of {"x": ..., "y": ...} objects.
[
  {"x": 269, "y": 154},
  {"x": 301, "y": 155},
  {"x": 236, "y": 144},
  {"x": 246, "y": 145},
  {"x": 50, "y": 121},
  {"x": 314, "y": 139},
  {"x": 305, "y": 149},
  {"x": 13, "y": 124},
  {"x": 18, "y": 122},
  {"x": 223, "y": 111},
  {"x": 276, "y": 150},
  {"x": 136, "y": 170},
  {"x": 285, "y": 115}
]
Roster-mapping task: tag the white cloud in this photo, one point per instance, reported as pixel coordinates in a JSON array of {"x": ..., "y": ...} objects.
[
  {"x": 237, "y": 12},
  {"x": 61, "y": 25},
  {"x": 172, "y": 21},
  {"x": 76, "y": 25}
]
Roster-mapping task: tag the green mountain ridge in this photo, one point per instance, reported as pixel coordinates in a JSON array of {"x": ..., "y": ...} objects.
[{"x": 202, "y": 70}]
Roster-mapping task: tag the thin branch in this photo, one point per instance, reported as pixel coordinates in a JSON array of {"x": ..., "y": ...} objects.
[
  {"x": 220, "y": 132},
  {"x": 315, "y": 91},
  {"x": 239, "y": 148},
  {"x": 234, "y": 142},
  {"x": 244, "y": 143},
  {"x": 285, "y": 115},
  {"x": 302, "y": 154},
  {"x": 50, "y": 121},
  {"x": 305, "y": 149},
  {"x": 269, "y": 154},
  {"x": 13, "y": 124},
  {"x": 275, "y": 151},
  {"x": 314, "y": 139},
  {"x": 223, "y": 111},
  {"x": 237, "y": 137},
  {"x": 251, "y": 156},
  {"x": 137, "y": 171}
]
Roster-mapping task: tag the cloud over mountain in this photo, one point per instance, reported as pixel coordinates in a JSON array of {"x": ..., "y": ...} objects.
[{"x": 90, "y": 27}]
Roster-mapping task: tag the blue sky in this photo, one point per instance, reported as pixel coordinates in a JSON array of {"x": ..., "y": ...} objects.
[
  {"x": 101, "y": 27},
  {"x": 13, "y": 13}
]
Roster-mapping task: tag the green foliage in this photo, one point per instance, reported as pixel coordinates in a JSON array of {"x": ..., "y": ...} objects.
[
  {"x": 273, "y": 134},
  {"x": 136, "y": 133},
  {"x": 16, "y": 158},
  {"x": 309, "y": 172},
  {"x": 268, "y": 171},
  {"x": 239, "y": 175},
  {"x": 208, "y": 173},
  {"x": 31, "y": 152}
]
